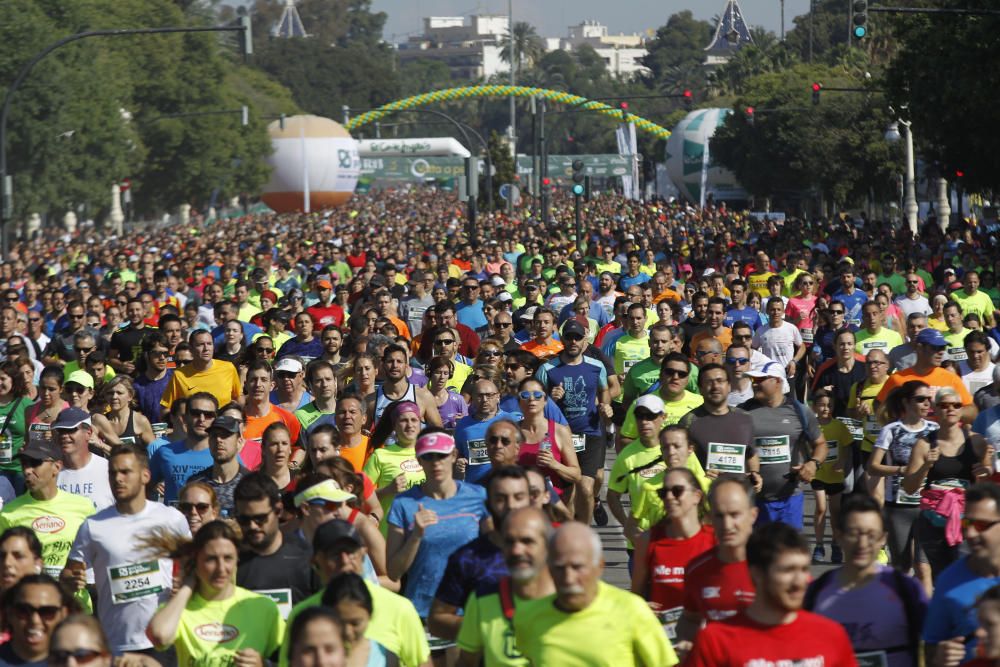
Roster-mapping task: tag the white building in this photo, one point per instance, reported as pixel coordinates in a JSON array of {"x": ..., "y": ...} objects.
[{"x": 471, "y": 47}]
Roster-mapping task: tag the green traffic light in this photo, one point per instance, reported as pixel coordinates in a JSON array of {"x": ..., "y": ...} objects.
[
  {"x": 578, "y": 189},
  {"x": 860, "y": 32}
]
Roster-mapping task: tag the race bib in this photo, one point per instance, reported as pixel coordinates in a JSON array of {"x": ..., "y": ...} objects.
[
  {"x": 854, "y": 427},
  {"x": 872, "y": 427},
  {"x": 159, "y": 428},
  {"x": 282, "y": 597},
  {"x": 6, "y": 448},
  {"x": 668, "y": 619},
  {"x": 579, "y": 442},
  {"x": 477, "y": 452},
  {"x": 136, "y": 581},
  {"x": 807, "y": 335},
  {"x": 128, "y": 440},
  {"x": 773, "y": 450},
  {"x": 956, "y": 354},
  {"x": 726, "y": 458},
  {"x": 832, "y": 451},
  {"x": 872, "y": 659},
  {"x": 627, "y": 364}
]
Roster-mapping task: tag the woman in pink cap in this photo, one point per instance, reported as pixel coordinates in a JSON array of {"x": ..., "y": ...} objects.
[
  {"x": 393, "y": 467},
  {"x": 430, "y": 521}
]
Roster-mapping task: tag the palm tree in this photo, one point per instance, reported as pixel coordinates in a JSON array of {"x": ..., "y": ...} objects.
[{"x": 528, "y": 46}]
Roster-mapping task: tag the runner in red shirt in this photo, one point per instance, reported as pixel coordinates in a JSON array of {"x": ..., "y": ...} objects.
[
  {"x": 773, "y": 629},
  {"x": 325, "y": 311},
  {"x": 663, "y": 552},
  {"x": 718, "y": 584}
]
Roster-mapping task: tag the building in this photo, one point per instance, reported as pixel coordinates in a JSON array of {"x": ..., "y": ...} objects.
[
  {"x": 471, "y": 47},
  {"x": 731, "y": 34},
  {"x": 622, "y": 53}
]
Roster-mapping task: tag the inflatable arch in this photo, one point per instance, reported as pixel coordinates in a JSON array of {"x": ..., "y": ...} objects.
[{"x": 490, "y": 91}]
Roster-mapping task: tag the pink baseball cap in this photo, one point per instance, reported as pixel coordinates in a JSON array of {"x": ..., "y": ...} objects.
[{"x": 435, "y": 443}]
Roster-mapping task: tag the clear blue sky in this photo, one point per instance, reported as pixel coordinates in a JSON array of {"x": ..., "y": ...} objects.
[{"x": 551, "y": 17}]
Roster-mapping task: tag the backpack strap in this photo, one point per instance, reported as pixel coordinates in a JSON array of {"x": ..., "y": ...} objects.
[
  {"x": 506, "y": 592},
  {"x": 809, "y": 603}
]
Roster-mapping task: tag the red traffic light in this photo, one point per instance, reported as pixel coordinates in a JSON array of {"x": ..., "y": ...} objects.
[
  {"x": 624, "y": 106},
  {"x": 546, "y": 181},
  {"x": 817, "y": 87},
  {"x": 959, "y": 173},
  {"x": 749, "y": 111},
  {"x": 687, "y": 94}
]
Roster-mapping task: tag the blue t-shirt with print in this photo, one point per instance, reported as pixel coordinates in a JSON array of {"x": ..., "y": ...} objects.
[
  {"x": 581, "y": 383},
  {"x": 173, "y": 464},
  {"x": 470, "y": 438},
  {"x": 457, "y": 524}
]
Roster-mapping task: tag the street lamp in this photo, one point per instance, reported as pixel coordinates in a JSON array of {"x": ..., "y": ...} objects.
[{"x": 892, "y": 134}]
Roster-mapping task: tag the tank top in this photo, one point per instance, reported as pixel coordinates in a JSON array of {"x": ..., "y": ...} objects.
[
  {"x": 129, "y": 435},
  {"x": 958, "y": 467},
  {"x": 666, "y": 560},
  {"x": 382, "y": 401},
  {"x": 528, "y": 455}
]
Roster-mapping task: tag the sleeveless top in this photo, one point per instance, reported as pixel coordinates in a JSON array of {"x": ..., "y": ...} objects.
[
  {"x": 958, "y": 467},
  {"x": 129, "y": 434},
  {"x": 528, "y": 455},
  {"x": 382, "y": 401},
  {"x": 666, "y": 561}
]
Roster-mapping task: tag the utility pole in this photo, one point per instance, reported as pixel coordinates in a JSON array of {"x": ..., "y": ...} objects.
[
  {"x": 544, "y": 160},
  {"x": 513, "y": 110}
]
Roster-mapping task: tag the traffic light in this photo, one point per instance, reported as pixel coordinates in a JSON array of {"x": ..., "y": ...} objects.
[
  {"x": 546, "y": 182},
  {"x": 587, "y": 188},
  {"x": 624, "y": 107},
  {"x": 749, "y": 115},
  {"x": 959, "y": 174},
  {"x": 860, "y": 19},
  {"x": 817, "y": 87},
  {"x": 578, "y": 177},
  {"x": 688, "y": 99}
]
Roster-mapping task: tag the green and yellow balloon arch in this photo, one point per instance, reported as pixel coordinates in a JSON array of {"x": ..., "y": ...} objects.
[{"x": 467, "y": 92}]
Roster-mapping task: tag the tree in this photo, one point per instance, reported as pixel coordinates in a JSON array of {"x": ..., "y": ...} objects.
[
  {"x": 943, "y": 79},
  {"x": 679, "y": 43},
  {"x": 528, "y": 46},
  {"x": 834, "y": 150},
  {"x": 503, "y": 164}
]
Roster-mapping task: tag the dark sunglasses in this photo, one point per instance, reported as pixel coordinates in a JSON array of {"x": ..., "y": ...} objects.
[
  {"x": 194, "y": 412},
  {"x": 201, "y": 508},
  {"x": 440, "y": 341},
  {"x": 503, "y": 325},
  {"x": 645, "y": 415},
  {"x": 676, "y": 491},
  {"x": 981, "y": 525},
  {"x": 498, "y": 440},
  {"x": 47, "y": 613},
  {"x": 82, "y": 656},
  {"x": 527, "y": 395},
  {"x": 736, "y": 361},
  {"x": 491, "y": 353},
  {"x": 675, "y": 372},
  {"x": 247, "y": 519}
]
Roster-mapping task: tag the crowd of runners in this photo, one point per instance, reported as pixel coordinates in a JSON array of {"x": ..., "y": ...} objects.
[{"x": 361, "y": 437}]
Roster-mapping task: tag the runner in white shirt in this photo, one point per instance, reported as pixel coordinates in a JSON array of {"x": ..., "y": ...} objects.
[
  {"x": 130, "y": 587},
  {"x": 82, "y": 473},
  {"x": 778, "y": 339}
]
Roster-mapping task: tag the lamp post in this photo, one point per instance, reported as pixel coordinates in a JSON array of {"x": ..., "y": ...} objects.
[
  {"x": 909, "y": 185},
  {"x": 6, "y": 182}
]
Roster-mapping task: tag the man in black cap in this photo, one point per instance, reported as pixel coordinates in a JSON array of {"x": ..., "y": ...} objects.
[
  {"x": 338, "y": 549},
  {"x": 53, "y": 515},
  {"x": 225, "y": 440}
]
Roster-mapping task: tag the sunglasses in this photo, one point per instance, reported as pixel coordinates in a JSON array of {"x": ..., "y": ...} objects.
[
  {"x": 921, "y": 399},
  {"x": 676, "y": 491},
  {"x": 645, "y": 415},
  {"x": 433, "y": 457},
  {"x": 210, "y": 414},
  {"x": 981, "y": 525},
  {"x": 47, "y": 613},
  {"x": 946, "y": 405},
  {"x": 503, "y": 325},
  {"x": 836, "y": 311},
  {"x": 247, "y": 519},
  {"x": 265, "y": 350},
  {"x": 81, "y": 656},
  {"x": 444, "y": 342},
  {"x": 498, "y": 440},
  {"x": 513, "y": 367},
  {"x": 736, "y": 361},
  {"x": 528, "y": 395},
  {"x": 491, "y": 353},
  {"x": 328, "y": 505},
  {"x": 201, "y": 508},
  {"x": 675, "y": 372},
  {"x": 703, "y": 353}
]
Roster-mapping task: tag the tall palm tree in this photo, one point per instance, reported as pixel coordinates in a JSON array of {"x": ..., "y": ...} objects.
[{"x": 528, "y": 46}]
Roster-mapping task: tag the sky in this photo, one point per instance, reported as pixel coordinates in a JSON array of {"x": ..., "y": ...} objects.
[{"x": 552, "y": 17}]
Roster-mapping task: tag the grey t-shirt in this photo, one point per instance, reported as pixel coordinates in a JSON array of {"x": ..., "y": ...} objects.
[
  {"x": 412, "y": 311},
  {"x": 780, "y": 443},
  {"x": 735, "y": 428}
]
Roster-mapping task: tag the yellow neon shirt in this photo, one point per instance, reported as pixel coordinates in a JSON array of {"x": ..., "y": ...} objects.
[
  {"x": 485, "y": 630},
  {"x": 54, "y": 521}
]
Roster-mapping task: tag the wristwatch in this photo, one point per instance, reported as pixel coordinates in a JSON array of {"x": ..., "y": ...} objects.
[{"x": 816, "y": 461}]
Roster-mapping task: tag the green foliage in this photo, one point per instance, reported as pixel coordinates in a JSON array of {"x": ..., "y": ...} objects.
[
  {"x": 945, "y": 80},
  {"x": 503, "y": 164},
  {"x": 680, "y": 42},
  {"x": 69, "y": 139},
  {"x": 835, "y": 150}
]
